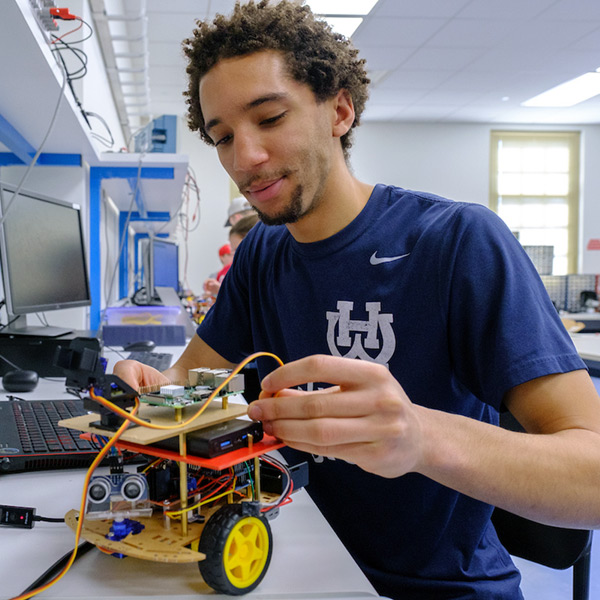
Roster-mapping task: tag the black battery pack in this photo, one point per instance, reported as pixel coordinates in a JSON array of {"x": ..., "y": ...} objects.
[{"x": 217, "y": 439}]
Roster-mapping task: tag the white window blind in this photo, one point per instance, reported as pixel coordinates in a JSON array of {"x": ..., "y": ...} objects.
[{"x": 534, "y": 188}]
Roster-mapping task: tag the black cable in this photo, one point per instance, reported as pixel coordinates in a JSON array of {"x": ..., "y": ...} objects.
[
  {"x": 58, "y": 566},
  {"x": 78, "y": 53},
  {"x": 75, "y": 97},
  {"x": 9, "y": 323},
  {"x": 90, "y": 34},
  {"x": 8, "y": 362},
  {"x": 83, "y": 39},
  {"x": 49, "y": 519},
  {"x": 107, "y": 142}
]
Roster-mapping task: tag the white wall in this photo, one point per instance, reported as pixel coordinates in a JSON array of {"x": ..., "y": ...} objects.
[
  {"x": 211, "y": 234},
  {"x": 452, "y": 160},
  {"x": 449, "y": 160},
  {"x": 589, "y": 223}
]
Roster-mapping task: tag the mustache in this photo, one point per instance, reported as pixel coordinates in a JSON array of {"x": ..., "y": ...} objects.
[{"x": 259, "y": 177}]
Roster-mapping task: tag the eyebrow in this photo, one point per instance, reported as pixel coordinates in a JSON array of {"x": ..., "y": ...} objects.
[{"x": 274, "y": 97}]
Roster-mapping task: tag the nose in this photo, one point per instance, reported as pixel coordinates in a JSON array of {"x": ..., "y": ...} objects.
[{"x": 248, "y": 152}]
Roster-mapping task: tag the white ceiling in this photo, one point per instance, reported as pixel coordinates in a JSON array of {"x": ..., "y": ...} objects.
[{"x": 431, "y": 60}]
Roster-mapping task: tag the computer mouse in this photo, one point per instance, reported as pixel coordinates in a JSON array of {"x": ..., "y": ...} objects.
[
  {"x": 140, "y": 345},
  {"x": 20, "y": 381}
]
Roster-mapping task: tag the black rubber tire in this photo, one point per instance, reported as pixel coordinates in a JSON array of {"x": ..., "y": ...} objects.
[{"x": 222, "y": 531}]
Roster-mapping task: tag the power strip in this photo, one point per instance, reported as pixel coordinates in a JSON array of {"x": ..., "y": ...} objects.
[{"x": 41, "y": 11}]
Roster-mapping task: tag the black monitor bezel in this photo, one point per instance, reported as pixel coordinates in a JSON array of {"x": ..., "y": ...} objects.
[{"x": 7, "y": 274}]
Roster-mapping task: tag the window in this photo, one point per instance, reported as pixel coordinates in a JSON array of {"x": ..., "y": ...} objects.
[{"x": 534, "y": 188}]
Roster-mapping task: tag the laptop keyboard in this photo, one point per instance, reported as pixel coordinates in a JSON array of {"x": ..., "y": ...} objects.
[
  {"x": 37, "y": 425},
  {"x": 159, "y": 360}
]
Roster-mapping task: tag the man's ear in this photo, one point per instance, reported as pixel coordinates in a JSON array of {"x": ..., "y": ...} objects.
[{"x": 344, "y": 113}]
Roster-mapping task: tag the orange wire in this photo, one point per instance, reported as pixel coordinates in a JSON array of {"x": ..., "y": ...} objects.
[
  {"x": 123, "y": 413},
  {"x": 79, "y": 527},
  {"x": 59, "y": 39},
  {"x": 130, "y": 418}
]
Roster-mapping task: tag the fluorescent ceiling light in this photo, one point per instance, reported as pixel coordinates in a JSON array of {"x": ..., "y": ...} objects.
[
  {"x": 344, "y": 25},
  {"x": 341, "y": 7},
  {"x": 569, "y": 93}
]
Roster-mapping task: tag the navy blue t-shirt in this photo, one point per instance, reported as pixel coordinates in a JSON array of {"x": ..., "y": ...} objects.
[{"x": 442, "y": 294}]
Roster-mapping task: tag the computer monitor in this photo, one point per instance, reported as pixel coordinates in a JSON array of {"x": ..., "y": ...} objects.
[
  {"x": 165, "y": 256},
  {"x": 161, "y": 266},
  {"x": 44, "y": 266}
]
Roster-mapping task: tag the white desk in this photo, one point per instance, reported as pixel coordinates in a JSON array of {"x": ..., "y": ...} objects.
[
  {"x": 588, "y": 345},
  {"x": 308, "y": 559}
]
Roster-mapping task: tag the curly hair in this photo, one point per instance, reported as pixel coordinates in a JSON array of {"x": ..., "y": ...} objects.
[{"x": 315, "y": 55}]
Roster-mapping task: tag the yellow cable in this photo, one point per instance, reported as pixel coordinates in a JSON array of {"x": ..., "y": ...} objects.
[
  {"x": 123, "y": 413},
  {"x": 131, "y": 418},
  {"x": 79, "y": 527}
]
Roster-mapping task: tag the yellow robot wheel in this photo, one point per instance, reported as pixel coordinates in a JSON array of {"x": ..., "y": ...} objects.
[{"x": 238, "y": 545}]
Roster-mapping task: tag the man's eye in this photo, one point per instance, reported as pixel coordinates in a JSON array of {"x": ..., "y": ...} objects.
[
  {"x": 273, "y": 119},
  {"x": 223, "y": 140}
]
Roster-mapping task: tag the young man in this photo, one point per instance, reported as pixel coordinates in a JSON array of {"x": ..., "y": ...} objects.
[{"x": 436, "y": 298}]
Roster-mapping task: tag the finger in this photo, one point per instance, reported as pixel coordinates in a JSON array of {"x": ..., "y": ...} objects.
[
  {"x": 286, "y": 392},
  {"x": 327, "y": 433},
  {"x": 305, "y": 406},
  {"x": 295, "y": 392},
  {"x": 322, "y": 368}
]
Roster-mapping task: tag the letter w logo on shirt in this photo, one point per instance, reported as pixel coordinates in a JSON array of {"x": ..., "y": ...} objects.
[{"x": 360, "y": 336}]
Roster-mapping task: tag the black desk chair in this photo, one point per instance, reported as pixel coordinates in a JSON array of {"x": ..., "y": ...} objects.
[{"x": 554, "y": 547}]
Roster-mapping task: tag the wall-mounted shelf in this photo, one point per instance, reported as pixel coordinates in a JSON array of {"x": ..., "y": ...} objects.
[
  {"x": 151, "y": 185},
  {"x": 31, "y": 85},
  {"x": 162, "y": 177}
]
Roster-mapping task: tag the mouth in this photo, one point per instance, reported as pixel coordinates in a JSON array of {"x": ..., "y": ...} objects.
[{"x": 265, "y": 190}]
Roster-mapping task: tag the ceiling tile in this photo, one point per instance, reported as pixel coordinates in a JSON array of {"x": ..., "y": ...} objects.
[
  {"x": 505, "y": 9},
  {"x": 379, "y": 31},
  {"x": 428, "y": 58},
  {"x": 418, "y": 8},
  {"x": 440, "y": 60},
  {"x": 564, "y": 10}
]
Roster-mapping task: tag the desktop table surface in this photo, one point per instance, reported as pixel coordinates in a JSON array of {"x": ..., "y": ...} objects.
[
  {"x": 587, "y": 345},
  {"x": 308, "y": 559}
]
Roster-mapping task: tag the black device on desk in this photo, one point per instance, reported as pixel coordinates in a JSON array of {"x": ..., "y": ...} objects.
[
  {"x": 158, "y": 360},
  {"x": 32, "y": 440},
  {"x": 37, "y": 353},
  {"x": 20, "y": 380},
  {"x": 43, "y": 259},
  {"x": 591, "y": 325}
]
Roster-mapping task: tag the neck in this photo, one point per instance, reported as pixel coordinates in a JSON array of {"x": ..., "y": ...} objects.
[{"x": 343, "y": 197}]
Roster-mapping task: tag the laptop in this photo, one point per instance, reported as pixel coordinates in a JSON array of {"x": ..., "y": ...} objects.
[{"x": 32, "y": 440}]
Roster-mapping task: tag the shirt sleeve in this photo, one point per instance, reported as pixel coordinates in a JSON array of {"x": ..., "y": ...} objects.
[{"x": 503, "y": 330}]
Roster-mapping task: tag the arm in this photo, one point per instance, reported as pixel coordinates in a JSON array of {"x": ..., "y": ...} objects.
[
  {"x": 212, "y": 287},
  {"x": 196, "y": 354},
  {"x": 552, "y": 477}
]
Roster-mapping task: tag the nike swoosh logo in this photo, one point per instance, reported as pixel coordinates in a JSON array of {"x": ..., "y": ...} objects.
[{"x": 377, "y": 260}]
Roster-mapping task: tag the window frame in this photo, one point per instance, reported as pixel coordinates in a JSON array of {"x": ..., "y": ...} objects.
[{"x": 573, "y": 139}]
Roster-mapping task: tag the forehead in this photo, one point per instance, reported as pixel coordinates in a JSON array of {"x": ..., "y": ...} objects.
[{"x": 237, "y": 82}]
